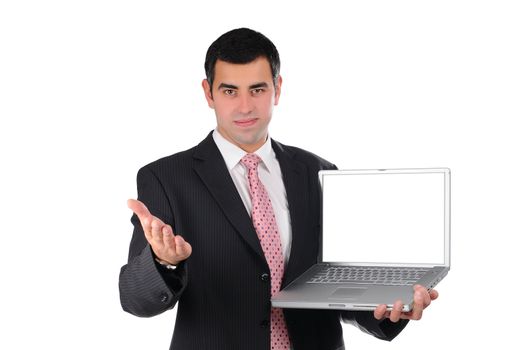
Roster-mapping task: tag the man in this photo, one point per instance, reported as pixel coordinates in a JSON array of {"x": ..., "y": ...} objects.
[{"x": 221, "y": 227}]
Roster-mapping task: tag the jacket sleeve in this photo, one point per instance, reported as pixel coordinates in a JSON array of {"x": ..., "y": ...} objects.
[
  {"x": 146, "y": 288},
  {"x": 366, "y": 322}
]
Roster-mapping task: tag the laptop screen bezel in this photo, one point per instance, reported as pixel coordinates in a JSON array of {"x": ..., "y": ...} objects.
[{"x": 446, "y": 176}]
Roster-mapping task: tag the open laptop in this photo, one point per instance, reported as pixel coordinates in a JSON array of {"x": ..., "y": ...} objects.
[{"x": 383, "y": 231}]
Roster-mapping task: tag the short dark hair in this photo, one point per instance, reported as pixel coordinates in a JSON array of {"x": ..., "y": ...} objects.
[{"x": 240, "y": 46}]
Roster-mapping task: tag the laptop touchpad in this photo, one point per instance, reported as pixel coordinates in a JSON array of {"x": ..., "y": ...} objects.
[{"x": 348, "y": 292}]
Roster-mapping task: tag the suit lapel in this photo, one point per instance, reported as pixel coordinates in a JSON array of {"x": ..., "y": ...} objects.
[
  {"x": 211, "y": 168},
  {"x": 295, "y": 179}
]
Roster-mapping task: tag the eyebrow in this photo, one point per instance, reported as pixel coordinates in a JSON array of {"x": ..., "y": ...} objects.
[
  {"x": 234, "y": 87},
  {"x": 227, "y": 86},
  {"x": 258, "y": 85}
]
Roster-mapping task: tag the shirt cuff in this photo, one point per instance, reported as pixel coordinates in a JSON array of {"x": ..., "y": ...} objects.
[{"x": 165, "y": 264}]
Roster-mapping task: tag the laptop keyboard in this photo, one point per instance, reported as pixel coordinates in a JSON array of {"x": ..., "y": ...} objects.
[{"x": 391, "y": 276}]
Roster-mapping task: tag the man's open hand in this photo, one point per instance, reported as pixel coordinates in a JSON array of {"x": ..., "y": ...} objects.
[{"x": 167, "y": 247}]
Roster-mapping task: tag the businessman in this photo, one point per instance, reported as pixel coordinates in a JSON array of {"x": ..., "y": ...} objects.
[{"x": 221, "y": 227}]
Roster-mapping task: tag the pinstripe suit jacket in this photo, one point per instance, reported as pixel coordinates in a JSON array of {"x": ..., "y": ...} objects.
[{"x": 223, "y": 289}]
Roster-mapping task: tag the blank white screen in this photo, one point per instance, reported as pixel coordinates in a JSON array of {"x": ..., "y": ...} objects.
[{"x": 384, "y": 218}]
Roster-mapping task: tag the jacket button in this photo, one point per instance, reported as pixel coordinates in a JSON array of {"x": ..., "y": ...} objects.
[
  {"x": 264, "y": 277},
  {"x": 264, "y": 324},
  {"x": 164, "y": 298}
]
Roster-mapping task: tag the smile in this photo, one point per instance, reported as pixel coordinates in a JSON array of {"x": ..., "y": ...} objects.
[{"x": 246, "y": 122}]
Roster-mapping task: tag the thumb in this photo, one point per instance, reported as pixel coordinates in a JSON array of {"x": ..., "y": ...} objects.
[{"x": 138, "y": 208}]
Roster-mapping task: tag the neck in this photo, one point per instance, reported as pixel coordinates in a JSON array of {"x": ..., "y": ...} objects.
[
  {"x": 252, "y": 147},
  {"x": 247, "y": 147}
]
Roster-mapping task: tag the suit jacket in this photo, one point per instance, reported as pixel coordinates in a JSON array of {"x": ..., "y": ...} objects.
[{"x": 223, "y": 288}]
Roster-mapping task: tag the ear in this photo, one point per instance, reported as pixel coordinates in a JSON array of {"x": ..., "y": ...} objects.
[
  {"x": 278, "y": 90},
  {"x": 208, "y": 94}
]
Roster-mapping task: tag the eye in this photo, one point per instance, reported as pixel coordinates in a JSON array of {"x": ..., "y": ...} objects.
[
  {"x": 258, "y": 91},
  {"x": 229, "y": 92}
]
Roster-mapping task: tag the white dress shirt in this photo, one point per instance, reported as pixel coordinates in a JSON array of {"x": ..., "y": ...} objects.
[{"x": 271, "y": 176}]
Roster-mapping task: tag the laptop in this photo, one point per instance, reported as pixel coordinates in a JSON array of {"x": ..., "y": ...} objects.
[{"x": 383, "y": 231}]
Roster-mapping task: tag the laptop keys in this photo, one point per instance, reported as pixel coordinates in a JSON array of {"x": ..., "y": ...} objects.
[{"x": 369, "y": 275}]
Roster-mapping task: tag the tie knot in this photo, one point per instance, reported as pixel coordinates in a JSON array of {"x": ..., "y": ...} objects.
[{"x": 251, "y": 161}]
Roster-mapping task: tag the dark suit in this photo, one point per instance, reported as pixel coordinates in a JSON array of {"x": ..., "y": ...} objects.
[{"x": 223, "y": 289}]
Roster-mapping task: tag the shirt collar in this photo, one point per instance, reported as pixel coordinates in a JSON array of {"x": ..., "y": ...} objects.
[{"x": 232, "y": 154}]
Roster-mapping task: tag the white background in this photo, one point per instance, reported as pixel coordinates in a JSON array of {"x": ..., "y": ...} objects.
[{"x": 92, "y": 90}]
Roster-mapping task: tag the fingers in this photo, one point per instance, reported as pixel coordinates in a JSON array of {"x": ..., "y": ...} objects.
[
  {"x": 434, "y": 294},
  {"x": 166, "y": 246},
  {"x": 422, "y": 299},
  {"x": 380, "y": 312},
  {"x": 419, "y": 303},
  {"x": 395, "y": 314},
  {"x": 156, "y": 235},
  {"x": 168, "y": 238},
  {"x": 174, "y": 249},
  {"x": 161, "y": 239},
  {"x": 427, "y": 296},
  {"x": 183, "y": 249}
]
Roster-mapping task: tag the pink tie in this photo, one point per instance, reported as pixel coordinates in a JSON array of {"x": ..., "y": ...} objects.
[{"x": 267, "y": 230}]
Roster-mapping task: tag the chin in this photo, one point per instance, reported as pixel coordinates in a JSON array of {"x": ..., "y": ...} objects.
[{"x": 249, "y": 141}]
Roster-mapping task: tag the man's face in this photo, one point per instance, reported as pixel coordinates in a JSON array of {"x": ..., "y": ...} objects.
[{"x": 243, "y": 96}]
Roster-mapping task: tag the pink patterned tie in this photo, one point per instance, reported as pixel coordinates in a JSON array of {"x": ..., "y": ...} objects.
[{"x": 267, "y": 230}]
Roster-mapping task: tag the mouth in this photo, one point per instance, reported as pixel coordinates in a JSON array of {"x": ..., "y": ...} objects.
[{"x": 246, "y": 122}]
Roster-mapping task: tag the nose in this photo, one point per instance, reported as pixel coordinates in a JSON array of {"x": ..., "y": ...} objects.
[{"x": 246, "y": 104}]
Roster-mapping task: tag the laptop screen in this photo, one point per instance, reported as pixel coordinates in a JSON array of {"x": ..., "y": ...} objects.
[{"x": 384, "y": 217}]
